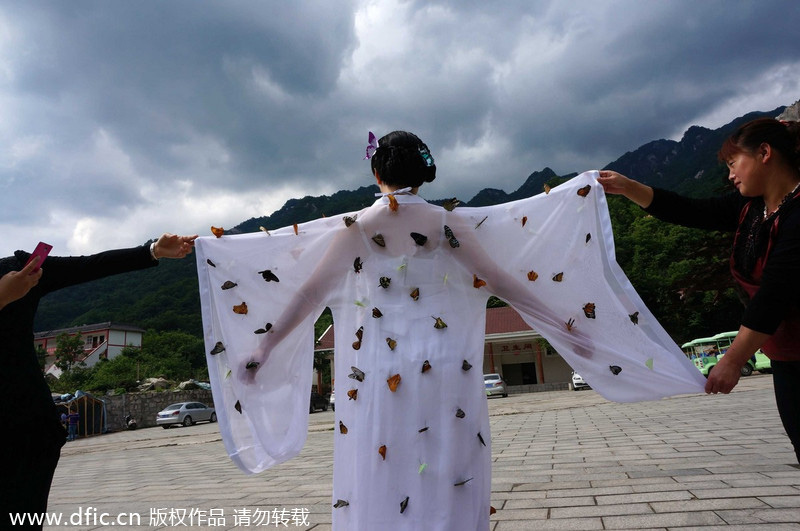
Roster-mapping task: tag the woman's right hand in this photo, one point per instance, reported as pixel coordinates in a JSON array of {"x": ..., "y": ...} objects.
[
  {"x": 616, "y": 183},
  {"x": 16, "y": 284}
]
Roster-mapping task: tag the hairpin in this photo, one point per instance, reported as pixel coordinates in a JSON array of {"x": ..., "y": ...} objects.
[
  {"x": 426, "y": 156},
  {"x": 372, "y": 146},
  {"x": 401, "y": 191}
]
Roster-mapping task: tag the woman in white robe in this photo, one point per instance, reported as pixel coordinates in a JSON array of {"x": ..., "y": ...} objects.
[{"x": 407, "y": 283}]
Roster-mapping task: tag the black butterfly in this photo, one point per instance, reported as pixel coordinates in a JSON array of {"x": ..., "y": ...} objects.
[
  {"x": 465, "y": 365},
  {"x": 403, "y": 505},
  {"x": 448, "y": 233},
  {"x": 219, "y": 347},
  {"x": 480, "y": 438},
  {"x": 238, "y": 407},
  {"x": 268, "y": 275},
  {"x": 634, "y": 318},
  {"x": 340, "y": 503},
  {"x": 349, "y": 220},
  {"x": 376, "y": 313},
  {"x": 460, "y": 413},
  {"x": 378, "y": 238},
  {"x": 616, "y": 369},
  {"x": 252, "y": 365},
  {"x": 228, "y": 284},
  {"x": 209, "y": 262},
  {"x": 460, "y": 483},
  {"x": 267, "y": 328},
  {"x": 588, "y": 237},
  {"x": 357, "y": 374},
  {"x": 384, "y": 282},
  {"x": 426, "y": 366},
  {"x": 358, "y": 264},
  {"x": 419, "y": 239}
]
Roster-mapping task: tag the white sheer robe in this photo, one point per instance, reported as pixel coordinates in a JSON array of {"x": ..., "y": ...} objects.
[{"x": 550, "y": 256}]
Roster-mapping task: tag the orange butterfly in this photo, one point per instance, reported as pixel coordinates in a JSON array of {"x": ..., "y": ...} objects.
[
  {"x": 393, "y": 382},
  {"x": 352, "y": 394},
  {"x": 392, "y": 203},
  {"x": 477, "y": 282},
  {"x": 589, "y": 310},
  {"x": 532, "y": 275},
  {"x": 546, "y": 189},
  {"x": 296, "y": 229},
  {"x": 391, "y": 342},
  {"x": 583, "y": 192},
  {"x": 415, "y": 294},
  {"x": 570, "y": 325},
  {"x": 342, "y": 428},
  {"x": 382, "y": 451},
  {"x": 558, "y": 277},
  {"x": 240, "y": 308},
  {"x": 524, "y": 220},
  {"x": 217, "y": 231}
]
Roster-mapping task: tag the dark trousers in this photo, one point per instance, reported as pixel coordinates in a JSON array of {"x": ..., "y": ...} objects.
[
  {"x": 786, "y": 381},
  {"x": 28, "y": 465}
]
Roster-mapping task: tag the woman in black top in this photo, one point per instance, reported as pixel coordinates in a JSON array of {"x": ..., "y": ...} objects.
[
  {"x": 33, "y": 433},
  {"x": 763, "y": 159}
]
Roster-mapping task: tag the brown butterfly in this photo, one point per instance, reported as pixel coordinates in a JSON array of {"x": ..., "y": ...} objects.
[
  {"x": 267, "y": 328},
  {"x": 378, "y": 238},
  {"x": 341, "y": 503},
  {"x": 296, "y": 229},
  {"x": 583, "y": 192},
  {"x": 342, "y": 428},
  {"x": 209, "y": 262},
  {"x": 359, "y": 335},
  {"x": 532, "y": 275},
  {"x": 415, "y": 294},
  {"x": 384, "y": 282},
  {"x": 477, "y": 282},
  {"x": 465, "y": 365},
  {"x": 352, "y": 394},
  {"x": 546, "y": 189},
  {"x": 349, "y": 220},
  {"x": 492, "y": 510},
  {"x": 238, "y": 407},
  {"x": 426, "y": 366},
  {"x": 616, "y": 369},
  {"x": 450, "y": 204},
  {"x": 382, "y": 451},
  {"x": 439, "y": 324},
  {"x": 392, "y": 203},
  {"x": 240, "y": 308},
  {"x": 217, "y": 231},
  {"x": 418, "y": 238},
  {"x": 524, "y": 220},
  {"x": 634, "y": 317},
  {"x": 218, "y": 347},
  {"x": 570, "y": 325},
  {"x": 589, "y": 310},
  {"x": 391, "y": 342},
  {"x": 228, "y": 284},
  {"x": 376, "y": 313},
  {"x": 460, "y": 413},
  {"x": 393, "y": 382},
  {"x": 268, "y": 275},
  {"x": 558, "y": 277},
  {"x": 358, "y": 264}
]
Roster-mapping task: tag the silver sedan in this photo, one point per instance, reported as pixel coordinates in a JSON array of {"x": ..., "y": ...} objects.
[{"x": 186, "y": 413}]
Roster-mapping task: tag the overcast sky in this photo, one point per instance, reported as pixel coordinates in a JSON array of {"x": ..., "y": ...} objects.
[{"x": 120, "y": 120}]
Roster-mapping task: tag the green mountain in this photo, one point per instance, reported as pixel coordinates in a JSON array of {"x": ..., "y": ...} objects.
[{"x": 661, "y": 261}]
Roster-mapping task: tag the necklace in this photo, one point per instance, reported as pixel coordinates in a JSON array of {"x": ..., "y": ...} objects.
[{"x": 783, "y": 201}]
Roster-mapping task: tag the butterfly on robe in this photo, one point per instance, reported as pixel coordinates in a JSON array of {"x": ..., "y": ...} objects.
[
  {"x": 588, "y": 237},
  {"x": 358, "y": 264},
  {"x": 352, "y": 394},
  {"x": 296, "y": 229},
  {"x": 252, "y": 365},
  {"x": 524, "y": 220},
  {"x": 465, "y": 365},
  {"x": 382, "y": 452},
  {"x": 342, "y": 428},
  {"x": 460, "y": 483},
  {"x": 634, "y": 317},
  {"x": 418, "y": 238},
  {"x": 480, "y": 438},
  {"x": 477, "y": 282},
  {"x": 378, "y": 239},
  {"x": 264, "y": 229},
  {"x": 267, "y": 328},
  {"x": 532, "y": 275},
  {"x": 384, "y": 282},
  {"x": 615, "y": 369},
  {"x": 426, "y": 366},
  {"x": 341, "y": 503},
  {"x": 423, "y": 430},
  {"x": 583, "y": 192},
  {"x": 218, "y": 347},
  {"x": 460, "y": 413},
  {"x": 570, "y": 325},
  {"x": 241, "y": 309},
  {"x": 589, "y": 310},
  {"x": 492, "y": 510},
  {"x": 348, "y": 220},
  {"x": 393, "y": 382},
  {"x": 359, "y": 335},
  {"x": 403, "y": 505},
  {"x": 450, "y": 204},
  {"x": 372, "y": 146},
  {"x": 391, "y": 342},
  {"x": 238, "y": 407},
  {"x": 357, "y": 374},
  {"x": 228, "y": 284},
  {"x": 209, "y": 262},
  {"x": 546, "y": 189},
  {"x": 439, "y": 324},
  {"x": 415, "y": 294},
  {"x": 376, "y": 313},
  {"x": 217, "y": 231},
  {"x": 451, "y": 239},
  {"x": 268, "y": 275},
  {"x": 558, "y": 277}
]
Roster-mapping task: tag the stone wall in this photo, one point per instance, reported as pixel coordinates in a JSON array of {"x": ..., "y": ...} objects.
[
  {"x": 144, "y": 406},
  {"x": 538, "y": 388}
]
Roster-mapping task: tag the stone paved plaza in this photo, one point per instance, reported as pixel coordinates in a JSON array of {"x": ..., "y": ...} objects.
[{"x": 562, "y": 460}]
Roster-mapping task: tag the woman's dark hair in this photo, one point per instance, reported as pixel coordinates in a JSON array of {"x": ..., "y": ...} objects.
[
  {"x": 782, "y": 137},
  {"x": 402, "y": 160}
]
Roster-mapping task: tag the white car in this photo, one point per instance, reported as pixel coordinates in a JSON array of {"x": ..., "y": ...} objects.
[
  {"x": 332, "y": 401},
  {"x": 494, "y": 385},
  {"x": 578, "y": 382},
  {"x": 186, "y": 413}
]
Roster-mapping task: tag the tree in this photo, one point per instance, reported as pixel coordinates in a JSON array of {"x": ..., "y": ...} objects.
[
  {"x": 69, "y": 351},
  {"x": 41, "y": 356}
]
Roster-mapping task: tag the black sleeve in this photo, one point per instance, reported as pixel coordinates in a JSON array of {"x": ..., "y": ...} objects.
[
  {"x": 779, "y": 291},
  {"x": 713, "y": 213},
  {"x": 63, "y": 271}
]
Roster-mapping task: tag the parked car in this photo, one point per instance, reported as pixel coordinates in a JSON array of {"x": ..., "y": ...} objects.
[
  {"x": 578, "y": 382},
  {"x": 318, "y": 402},
  {"x": 186, "y": 413},
  {"x": 332, "y": 401},
  {"x": 495, "y": 385}
]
